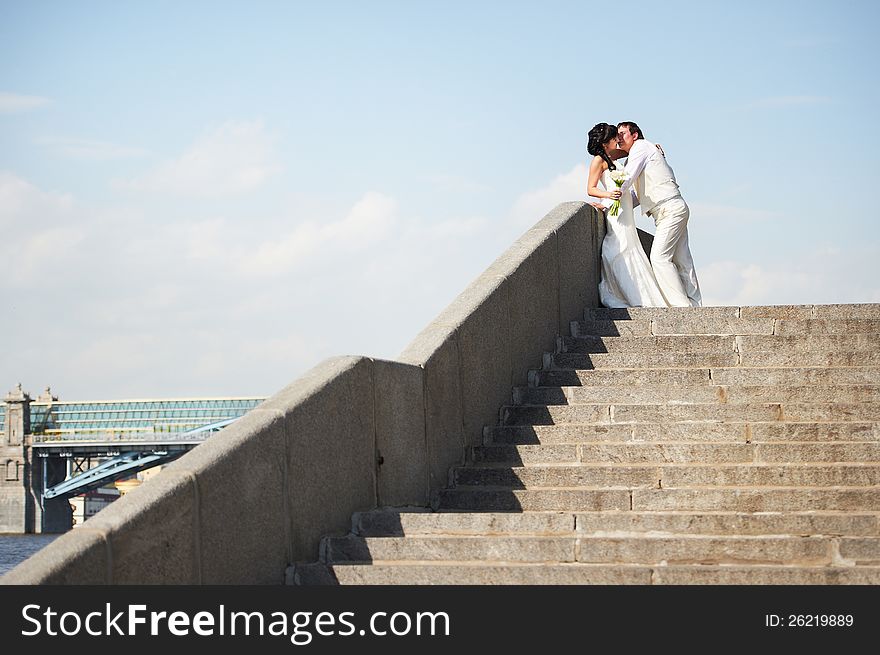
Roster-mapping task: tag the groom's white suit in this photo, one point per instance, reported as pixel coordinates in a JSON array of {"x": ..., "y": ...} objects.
[{"x": 654, "y": 183}]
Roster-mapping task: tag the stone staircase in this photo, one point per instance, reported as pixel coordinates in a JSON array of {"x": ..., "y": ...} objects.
[{"x": 713, "y": 445}]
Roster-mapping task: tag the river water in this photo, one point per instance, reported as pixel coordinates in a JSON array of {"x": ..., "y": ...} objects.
[{"x": 15, "y": 548}]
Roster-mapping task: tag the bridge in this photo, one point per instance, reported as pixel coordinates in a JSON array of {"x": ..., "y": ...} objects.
[{"x": 54, "y": 450}]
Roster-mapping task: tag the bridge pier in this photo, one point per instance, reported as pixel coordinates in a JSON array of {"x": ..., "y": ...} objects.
[{"x": 54, "y": 514}]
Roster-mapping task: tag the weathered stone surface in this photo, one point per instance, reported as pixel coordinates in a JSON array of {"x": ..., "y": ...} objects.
[
  {"x": 772, "y": 475},
  {"x": 557, "y": 434},
  {"x": 554, "y": 414},
  {"x": 484, "y": 336},
  {"x": 705, "y": 549},
  {"x": 331, "y": 450},
  {"x": 449, "y": 548},
  {"x": 669, "y": 413},
  {"x": 860, "y": 550},
  {"x": 153, "y": 532},
  {"x": 671, "y": 313},
  {"x": 708, "y": 325},
  {"x": 837, "y": 411},
  {"x": 625, "y": 377},
  {"x": 444, "y": 422},
  {"x": 390, "y": 523},
  {"x": 796, "y": 312},
  {"x": 743, "y": 499},
  {"x": 824, "y": 326},
  {"x": 454, "y": 573},
  {"x": 252, "y": 452},
  {"x": 622, "y": 394},
  {"x": 533, "y": 301},
  {"x": 796, "y": 376},
  {"x": 765, "y": 575},
  {"x": 520, "y": 455},
  {"x": 727, "y": 523},
  {"x": 659, "y": 452},
  {"x": 653, "y": 360},
  {"x": 825, "y": 431},
  {"x": 80, "y": 557},
  {"x": 640, "y": 328},
  {"x": 854, "y": 311},
  {"x": 399, "y": 401},
  {"x": 809, "y": 342},
  {"x": 559, "y": 500},
  {"x": 648, "y": 345},
  {"x": 575, "y": 230},
  {"x": 817, "y": 452},
  {"x": 810, "y": 358},
  {"x": 559, "y": 476}
]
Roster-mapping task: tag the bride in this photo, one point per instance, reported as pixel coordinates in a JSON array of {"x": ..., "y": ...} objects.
[{"x": 627, "y": 277}]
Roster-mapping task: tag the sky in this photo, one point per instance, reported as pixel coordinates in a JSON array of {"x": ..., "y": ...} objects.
[{"x": 209, "y": 198}]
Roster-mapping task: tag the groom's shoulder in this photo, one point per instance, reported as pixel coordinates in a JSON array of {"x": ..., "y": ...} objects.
[{"x": 643, "y": 144}]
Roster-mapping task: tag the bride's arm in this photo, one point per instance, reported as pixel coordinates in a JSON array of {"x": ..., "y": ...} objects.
[{"x": 593, "y": 180}]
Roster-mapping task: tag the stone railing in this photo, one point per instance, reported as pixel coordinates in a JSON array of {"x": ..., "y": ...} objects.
[{"x": 351, "y": 434}]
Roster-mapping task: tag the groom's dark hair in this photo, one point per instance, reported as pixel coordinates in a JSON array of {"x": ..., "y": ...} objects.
[{"x": 633, "y": 128}]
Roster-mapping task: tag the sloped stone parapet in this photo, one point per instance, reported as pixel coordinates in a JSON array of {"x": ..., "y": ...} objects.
[{"x": 352, "y": 434}]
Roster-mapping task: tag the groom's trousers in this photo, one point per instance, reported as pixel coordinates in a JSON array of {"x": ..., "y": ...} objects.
[{"x": 671, "y": 257}]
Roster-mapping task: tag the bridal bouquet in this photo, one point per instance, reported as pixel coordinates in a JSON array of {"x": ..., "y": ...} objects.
[{"x": 618, "y": 177}]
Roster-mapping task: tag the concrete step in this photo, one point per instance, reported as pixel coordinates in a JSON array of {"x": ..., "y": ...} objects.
[
  {"x": 765, "y": 575},
  {"x": 645, "y": 413},
  {"x": 751, "y": 499},
  {"x": 796, "y": 375},
  {"x": 729, "y": 523},
  {"x": 394, "y": 523},
  {"x": 791, "y": 312},
  {"x": 647, "y": 549},
  {"x": 708, "y": 325},
  {"x": 730, "y": 499},
  {"x": 622, "y": 377},
  {"x": 728, "y": 432},
  {"x": 640, "y": 360},
  {"x": 720, "y": 344},
  {"x": 672, "y": 452},
  {"x": 773, "y": 359},
  {"x": 702, "y": 394},
  {"x": 454, "y": 573},
  {"x": 596, "y": 344},
  {"x": 650, "y": 313},
  {"x": 389, "y": 522},
  {"x": 668, "y": 475},
  {"x": 449, "y": 548},
  {"x": 705, "y": 376}
]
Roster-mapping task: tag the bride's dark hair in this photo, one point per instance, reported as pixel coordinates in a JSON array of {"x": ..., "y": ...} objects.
[{"x": 598, "y": 136}]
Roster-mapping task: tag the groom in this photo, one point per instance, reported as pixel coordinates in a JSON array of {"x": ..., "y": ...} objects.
[{"x": 658, "y": 194}]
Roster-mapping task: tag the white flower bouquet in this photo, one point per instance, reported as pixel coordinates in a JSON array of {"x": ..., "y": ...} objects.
[{"x": 618, "y": 176}]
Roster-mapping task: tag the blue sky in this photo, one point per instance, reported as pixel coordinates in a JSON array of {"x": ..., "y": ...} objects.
[{"x": 208, "y": 198}]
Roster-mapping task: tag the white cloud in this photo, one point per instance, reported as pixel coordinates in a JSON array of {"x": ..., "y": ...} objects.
[
  {"x": 826, "y": 275},
  {"x": 20, "y": 200},
  {"x": 39, "y": 232},
  {"x": 11, "y": 103},
  {"x": 532, "y": 206},
  {"x": 90, "y": 150},
  {"x": 233, "y": 158},
  {"x": 370, "y": 220}
]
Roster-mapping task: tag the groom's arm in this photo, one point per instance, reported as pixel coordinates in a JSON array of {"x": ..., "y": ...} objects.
[{"x": 635, "y": 164}]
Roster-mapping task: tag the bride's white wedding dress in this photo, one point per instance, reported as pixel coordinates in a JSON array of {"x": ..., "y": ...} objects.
[{"x": 627, "y": 277}]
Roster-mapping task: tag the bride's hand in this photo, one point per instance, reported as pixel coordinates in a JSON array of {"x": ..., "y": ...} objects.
[
  {"x": 598, "y": 206},
  {"x": 615, "y": 194}
]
